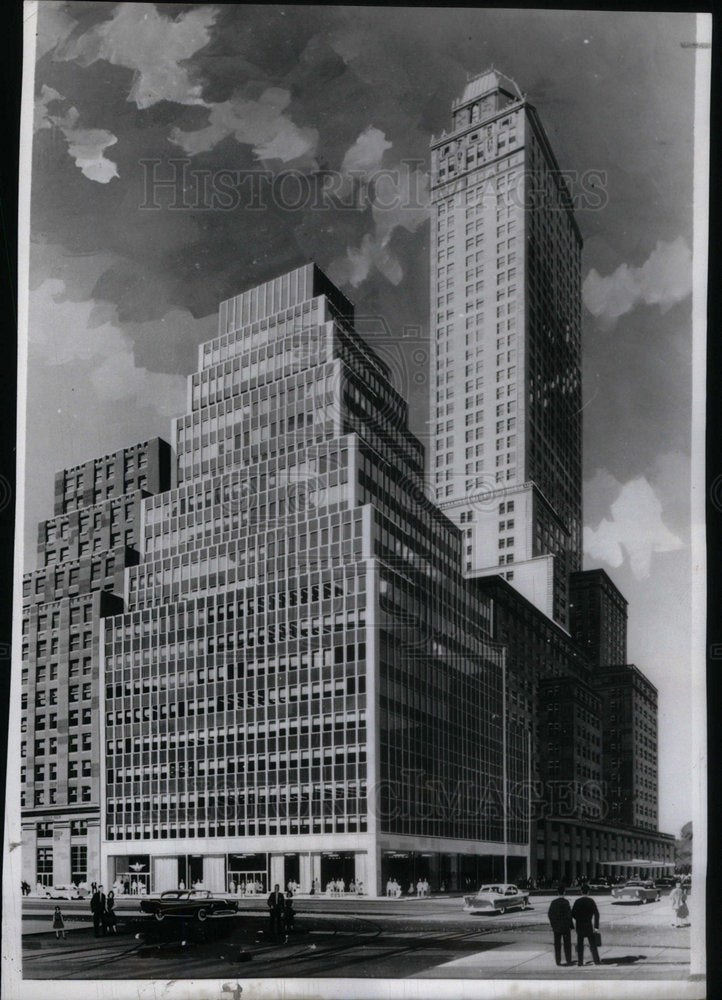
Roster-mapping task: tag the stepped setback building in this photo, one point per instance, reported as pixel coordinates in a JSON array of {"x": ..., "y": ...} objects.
[{"x": 302, "y": 683}]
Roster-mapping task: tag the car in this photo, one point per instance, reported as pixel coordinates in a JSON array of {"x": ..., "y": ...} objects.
[
  {"x": 598, "y": 885},
  {"x": 496, "y": 898},
  {"x": 65, "y": 892},
  {"x": 636, "y": 891},
  {"x": 198, "y": 903}
]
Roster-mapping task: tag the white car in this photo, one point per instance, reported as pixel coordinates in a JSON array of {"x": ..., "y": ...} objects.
[
  {"x": 65, "y": 892},
  {"x": 496, "y": 898}
]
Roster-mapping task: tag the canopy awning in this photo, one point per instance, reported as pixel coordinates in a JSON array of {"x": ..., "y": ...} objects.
[{"x": 639, "y": 863}]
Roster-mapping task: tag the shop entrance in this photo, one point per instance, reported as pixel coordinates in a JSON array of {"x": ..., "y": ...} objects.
[
  {"x": 337, "y": 867},
  {"x": 247, "y": 874},
  {"x": 291, "y": 870},
  {"x": 131, "y": 875}
]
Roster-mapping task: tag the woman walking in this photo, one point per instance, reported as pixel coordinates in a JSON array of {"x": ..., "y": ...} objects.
[
  {"x": 678, "y": 899},
  {"x": 111, "y": 921},
  {"x": 58, "y": 923}
]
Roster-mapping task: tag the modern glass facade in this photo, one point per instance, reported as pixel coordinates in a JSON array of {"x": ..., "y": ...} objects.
[{"x": 302, "y": 681}]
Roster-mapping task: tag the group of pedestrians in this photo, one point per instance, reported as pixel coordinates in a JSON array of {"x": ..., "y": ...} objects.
[
  {"x": 584, "y": 918},
  {"x": 422, "y": 888}
]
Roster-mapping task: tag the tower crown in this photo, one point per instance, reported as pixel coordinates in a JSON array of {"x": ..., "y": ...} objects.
[{"x": 487, "y": 85}]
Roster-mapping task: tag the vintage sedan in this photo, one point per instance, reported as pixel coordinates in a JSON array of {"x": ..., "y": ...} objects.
[
  {"x": 65, "y": 892},
  {"x": 198, "y": 903},
  {"x": 497, "y": 898},
  {"x": 637, "y": 890}
]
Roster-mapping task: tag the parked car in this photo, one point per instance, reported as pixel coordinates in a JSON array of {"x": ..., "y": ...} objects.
[
  {"x": 65, "y": 892},
  {"x": 198, "y": 903},
  {"x": 599, "y": 885},
  {"x": 496, "y": 898},
  {"x": 636, "y": 891}
]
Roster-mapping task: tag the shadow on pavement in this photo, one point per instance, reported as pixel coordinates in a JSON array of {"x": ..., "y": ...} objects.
[{"x": 623, "y": 960}]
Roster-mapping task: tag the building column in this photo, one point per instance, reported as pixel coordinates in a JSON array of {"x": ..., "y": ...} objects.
[
  {"x": 548, "y": 849},
  {"x": 61, "y": 852},
  {"x": 316, "y": 870},
  {"x": 583, "y": 847},
  {"x": 304, "y": 872},
  {"x": 360, "y": 873},
  {"x": 93, "y": 844},
  {"x": 454, "y": 871},
  {"x": 575, "y": 868},
  {"x": 29, "y": 854},
  {"x": 277, "y": 870}
]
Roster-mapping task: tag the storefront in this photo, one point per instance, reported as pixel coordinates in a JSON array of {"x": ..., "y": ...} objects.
[{"x": 447, "y": 872}]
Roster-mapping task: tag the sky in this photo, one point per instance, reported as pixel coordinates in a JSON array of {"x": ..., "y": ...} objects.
[{"x": 302, "y": 133}]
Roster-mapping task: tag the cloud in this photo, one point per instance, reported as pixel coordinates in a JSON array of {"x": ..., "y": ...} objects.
[
  {"x": 54, "y": 25},
  {"x": 261, "y": 124},
  {"x": 140, "y": 38},
  {"x": 86, "y": 146},
  {"x": 47, "y": 97},
  {"x": 65, "y": 333},
  {"x": 400, "y": 199},
  {"x": 663, "y": 280},
  {"x": 366, "y": 152},
  {"x": 635, "y": 529}
]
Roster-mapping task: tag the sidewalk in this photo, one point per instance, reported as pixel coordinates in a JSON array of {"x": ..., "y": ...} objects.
[{"x": 529, "y": 961}]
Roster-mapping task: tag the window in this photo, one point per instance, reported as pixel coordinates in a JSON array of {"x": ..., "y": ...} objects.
[{"x": 44, "y": 865}]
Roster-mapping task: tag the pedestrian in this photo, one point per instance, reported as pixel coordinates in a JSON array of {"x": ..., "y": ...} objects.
[
  {"x": 678, "y": 899},
  {"x": 560, "y": 918},
  {"x": 288, "y": 914},
  {"x": 58, "y": 923},
  {"x": 586, "y": 921},
  {"x": 276, "y": 906},
  {"x": 111, "y": 921},
  {"x": 97, "y": 907}
]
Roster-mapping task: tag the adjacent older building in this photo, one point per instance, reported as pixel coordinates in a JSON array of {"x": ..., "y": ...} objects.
[
  {"x": 598, "y": 617},
  {"x": 629, "y": 741},
  {"x": 83, "y": 552}
]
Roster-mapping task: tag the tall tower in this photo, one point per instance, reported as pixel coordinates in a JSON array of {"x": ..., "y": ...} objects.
[{"x": 506, "y": 315}]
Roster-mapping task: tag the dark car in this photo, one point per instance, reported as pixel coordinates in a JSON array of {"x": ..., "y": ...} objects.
[{"x": 198, "y": 903}]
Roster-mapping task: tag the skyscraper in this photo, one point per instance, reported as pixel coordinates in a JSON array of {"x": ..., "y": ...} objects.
[
  {"x": 506, "y": 328},
  {"x": 302, "y": 685}
]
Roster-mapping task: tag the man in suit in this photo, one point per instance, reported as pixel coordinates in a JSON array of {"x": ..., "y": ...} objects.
[
  {"x": 276, "y": 905},
  {"x": 560, "y": 917},
  {"x": 586, "y": 920},
  {"x": 97, "y": 906}
]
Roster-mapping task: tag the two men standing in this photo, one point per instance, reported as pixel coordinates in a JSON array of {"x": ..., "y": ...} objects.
[{"x": 584, "y": 916}]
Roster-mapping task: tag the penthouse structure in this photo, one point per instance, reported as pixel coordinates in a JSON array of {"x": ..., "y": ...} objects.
[{"x": 505, "y": 403}]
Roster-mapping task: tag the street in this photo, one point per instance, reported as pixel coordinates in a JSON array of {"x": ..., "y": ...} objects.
[{"x": 350, "y": 938}]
